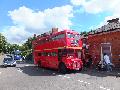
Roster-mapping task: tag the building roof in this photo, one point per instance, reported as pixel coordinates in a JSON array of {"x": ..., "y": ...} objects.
[{"x": 113, "y": 25}]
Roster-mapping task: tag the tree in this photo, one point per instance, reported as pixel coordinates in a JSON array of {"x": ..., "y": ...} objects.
[
  {"x": 28, "y": 43},
  {"x": 3, "y": 43},
  {"x": 14, "y": 47},
  {"x": 6, "y": 47},
  {"x": 84, "y": 33},
  {"x": 26, "y": 48}
]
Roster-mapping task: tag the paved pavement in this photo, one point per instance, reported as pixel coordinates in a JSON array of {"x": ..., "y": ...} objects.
[{"x": 27, "y": 76}]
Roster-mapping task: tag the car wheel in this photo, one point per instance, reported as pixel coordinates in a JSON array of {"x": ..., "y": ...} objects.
[{"x": 14, "y": 65}]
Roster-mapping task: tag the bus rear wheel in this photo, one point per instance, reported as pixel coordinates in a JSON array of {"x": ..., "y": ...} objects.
[
  {"x": 39, "y": 63},
  {"x": 62, "y": 68}
]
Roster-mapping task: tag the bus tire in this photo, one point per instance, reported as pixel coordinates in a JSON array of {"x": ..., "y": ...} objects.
[
  {"x": 80, "y": 69},
  {"x": 39, "y": 63},
  {"x": 62, "y": 68}
]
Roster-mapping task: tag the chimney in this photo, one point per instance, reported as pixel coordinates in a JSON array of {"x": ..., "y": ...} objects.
[{"x": 54, "y": 30}]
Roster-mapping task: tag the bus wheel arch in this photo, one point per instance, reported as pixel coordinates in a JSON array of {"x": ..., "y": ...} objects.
[{"x": 62, "y": 68}]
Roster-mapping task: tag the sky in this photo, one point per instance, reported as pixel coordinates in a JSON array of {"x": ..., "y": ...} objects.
[{"x": 20, "y": 19}]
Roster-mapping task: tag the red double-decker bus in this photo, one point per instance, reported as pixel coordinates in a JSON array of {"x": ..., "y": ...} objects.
[{"x": 58, "y": 50}]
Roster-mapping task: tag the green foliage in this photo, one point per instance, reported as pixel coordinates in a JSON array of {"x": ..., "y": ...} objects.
[
  {"x": 28, "y": 44},
  {"x": 84, "y": 33},
  {"x": 26, "y": 48},
  {"x": 9, "y": 48},
  {"x": 3, "y": 43},
  {"x": 26, "y": 52}
]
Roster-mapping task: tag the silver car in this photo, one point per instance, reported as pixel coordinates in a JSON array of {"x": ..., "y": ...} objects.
[{"x": 9, "y": 61}]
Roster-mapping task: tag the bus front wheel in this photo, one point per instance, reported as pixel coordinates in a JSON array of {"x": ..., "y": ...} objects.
[{"x": 62, "y": 68}]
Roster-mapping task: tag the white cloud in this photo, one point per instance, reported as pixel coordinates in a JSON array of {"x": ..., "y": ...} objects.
[
  {"x": 16, "y": 34},
  {"x": 77, "y": 2},
  {"x": 97, "y": 6},
  {"x": 27, "y": 21}
]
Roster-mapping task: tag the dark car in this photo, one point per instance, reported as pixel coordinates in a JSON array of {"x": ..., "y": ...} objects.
[{"x": 9, "y": 61}]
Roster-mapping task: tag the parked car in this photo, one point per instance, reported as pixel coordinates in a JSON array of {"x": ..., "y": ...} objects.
[
  {"x": 8, "y": 55},
  {"x": 9, "y": 61}
]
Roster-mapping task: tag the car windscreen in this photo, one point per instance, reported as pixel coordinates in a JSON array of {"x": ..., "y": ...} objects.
[{"x": 8, "y": 59}]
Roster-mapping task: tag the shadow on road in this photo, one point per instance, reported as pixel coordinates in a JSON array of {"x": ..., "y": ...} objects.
[
  {"x": 32, "y": 70},
  {"x": 97, "y": 73},
  {"x": 1, "y": 66},
  {"x": 37, "y": 71}
]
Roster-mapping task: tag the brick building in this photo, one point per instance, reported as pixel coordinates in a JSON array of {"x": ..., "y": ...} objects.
[{"x": 106, "y": 40}]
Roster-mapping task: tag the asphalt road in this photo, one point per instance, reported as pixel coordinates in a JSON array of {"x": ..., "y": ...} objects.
[{"x": 27, "y": 76}]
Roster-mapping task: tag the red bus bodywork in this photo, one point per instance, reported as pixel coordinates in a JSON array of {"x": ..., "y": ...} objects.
[{"x": 52, "y": 50}]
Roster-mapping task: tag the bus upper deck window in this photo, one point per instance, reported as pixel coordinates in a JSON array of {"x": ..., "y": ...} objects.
[
  {"x": 77, "y": 36},
  {"x": 68, "y": 35}
]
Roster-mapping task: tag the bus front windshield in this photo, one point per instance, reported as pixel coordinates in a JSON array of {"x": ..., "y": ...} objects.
[
  {"x": 75, "y": 36},
  {"x": 75, "y": 39}
]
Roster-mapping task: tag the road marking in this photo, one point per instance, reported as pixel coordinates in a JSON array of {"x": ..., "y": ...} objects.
[
  {"x": 67, "y": 77},
  {"x": 88, "y": 83},
  {"x": 101, "y": 87},
  {"x": 83, "y": 81},
  {"x": 80, "y": 80},
  {"x": 59, "y": 75},
  {"x": 0, "y": 72},
  {"x": 53, "y": 73},
  {"x": 64, "y": 76},
  {"x": 104, "y": 88},
  {"x": 27, "y": 65}
]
